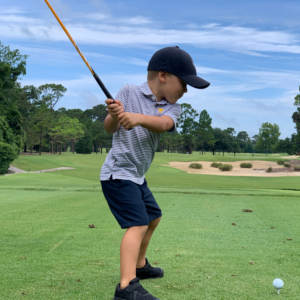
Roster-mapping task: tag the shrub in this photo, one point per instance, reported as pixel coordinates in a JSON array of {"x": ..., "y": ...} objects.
[
  {"x": 297, "y": 168},
  {"x": 8, "y": 146},
  {"x": 269, "y": 170},
  {"x": 287, "y": 164},
  {"x": 216, "y": 165},
  {"x": 280, "y": 162},
  {"x": 195, "y": 166},
  {"x": 246, "y": 165},
  {"x": 84, "y": 145},
  {"x": 226, "y": 167},
  {"x": 7, "y": 154}
]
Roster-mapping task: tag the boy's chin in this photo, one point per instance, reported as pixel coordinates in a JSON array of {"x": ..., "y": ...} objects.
[{"x": 172, "y": 100}]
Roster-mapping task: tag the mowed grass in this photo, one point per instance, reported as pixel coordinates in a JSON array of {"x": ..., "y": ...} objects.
[{"x": 209, "y": 247}]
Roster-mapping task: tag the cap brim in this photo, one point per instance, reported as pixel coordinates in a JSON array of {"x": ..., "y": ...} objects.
[{"x": 195, "y": 81}]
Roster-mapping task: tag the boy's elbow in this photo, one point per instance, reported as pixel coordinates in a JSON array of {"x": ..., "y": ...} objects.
[
  {"x": 168, "y": 124},
  {"x": 110, "y": 130}
]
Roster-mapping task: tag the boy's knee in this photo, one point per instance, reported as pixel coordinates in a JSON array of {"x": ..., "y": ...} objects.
[{"x": 138, "y": 229}]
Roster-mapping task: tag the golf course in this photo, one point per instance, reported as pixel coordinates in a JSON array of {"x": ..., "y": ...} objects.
[{"x": 221, "y": 237}]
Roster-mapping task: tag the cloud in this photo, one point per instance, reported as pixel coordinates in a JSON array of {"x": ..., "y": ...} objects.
[
  {"x": 234, "y": 80},
  {"x": 125, "y": 32},
  {"x": 206, "y": 70},
  {"x": 11, "y": 11},
  {"x": 96, "y": 16},
  {"x": 138, "y": 20}
]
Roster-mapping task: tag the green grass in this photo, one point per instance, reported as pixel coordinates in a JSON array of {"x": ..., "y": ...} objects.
[{"x": 49, "y": 252}]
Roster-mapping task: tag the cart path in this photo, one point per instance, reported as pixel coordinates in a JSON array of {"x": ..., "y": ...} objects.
[{"x": 13, "y": 170}]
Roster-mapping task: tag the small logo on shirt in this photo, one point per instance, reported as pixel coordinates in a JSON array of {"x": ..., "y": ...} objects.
[{"x": 160, "y": 110}]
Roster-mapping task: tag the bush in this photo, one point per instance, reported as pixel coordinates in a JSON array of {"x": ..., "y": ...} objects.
[
  {"x": 287, "y": 164},
  {"x": 7, "y": 154},
  {"x": 246, "y": 165},
  {"x": 216, "y": 165},
  {"x": 297, "y": 168},
  {"x": 226, "y": 167},
  {"x": 281, "y": 162},
  {"x": 269, "y": 170},
  {"x": 84, "y": 145},
  {"x": 195, "y": 166},
  {"x": 8, "y": 146}
]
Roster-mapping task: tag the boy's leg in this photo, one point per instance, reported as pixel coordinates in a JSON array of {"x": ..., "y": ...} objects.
[
  {"x": 129, "y": 253},
  {"x": 141, "y": 261}
]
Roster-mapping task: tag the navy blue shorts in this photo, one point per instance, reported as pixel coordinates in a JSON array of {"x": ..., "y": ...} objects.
[{"x": 130, "y": 203}]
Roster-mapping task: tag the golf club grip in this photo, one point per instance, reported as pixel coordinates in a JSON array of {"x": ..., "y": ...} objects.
[
  {"x": 102, "y": 86},
  {"x": 104, "y": 89}
]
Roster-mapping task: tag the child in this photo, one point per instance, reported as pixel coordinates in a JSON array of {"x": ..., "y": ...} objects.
[{"x": 136, "y": 118}]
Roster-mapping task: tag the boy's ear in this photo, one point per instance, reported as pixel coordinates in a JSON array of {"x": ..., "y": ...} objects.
[{"x": 162, "y": 76}]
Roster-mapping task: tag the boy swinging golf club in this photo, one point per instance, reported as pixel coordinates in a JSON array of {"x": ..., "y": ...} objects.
[{"x": 147, "y": 110}]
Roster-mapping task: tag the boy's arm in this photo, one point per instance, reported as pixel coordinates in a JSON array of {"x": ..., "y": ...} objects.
[
  {"x": 114, "y": 108},
  {"x": 153, "y": 123},
  {"x": 111, "y": 124}
]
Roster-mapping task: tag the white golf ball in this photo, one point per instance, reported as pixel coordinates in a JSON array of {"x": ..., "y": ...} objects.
[{"x": 278, "y": 283}]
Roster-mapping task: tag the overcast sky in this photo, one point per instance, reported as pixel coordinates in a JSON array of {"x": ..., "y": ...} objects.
[{"x": 248, "y": 50}]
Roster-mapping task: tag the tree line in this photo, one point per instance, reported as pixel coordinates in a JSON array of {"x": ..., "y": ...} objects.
[
  {"x": 195, "y": 133},
  {"x": 30, "y": 122}
]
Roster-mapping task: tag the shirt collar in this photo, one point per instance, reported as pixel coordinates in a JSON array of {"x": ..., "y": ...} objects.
[{"x": 148, "y": 93}]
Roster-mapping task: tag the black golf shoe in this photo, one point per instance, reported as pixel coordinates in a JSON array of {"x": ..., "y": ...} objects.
[
  {"x": 149, "y": 272},
  {"x": 134, "y": 291}
]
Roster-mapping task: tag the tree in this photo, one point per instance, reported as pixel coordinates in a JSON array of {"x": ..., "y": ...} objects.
[
  {"x": 97, "y": 113},
  {"x": 27, "y": 110},
  {"x": 12, "y": 66},
  {"x": 66, "y": 130},
  {"x": 85, "y": 144},
  {"x": 285, "y": 146},
  {"x": 231, "y": 144},
  {"x": 268, "y": 138},
  {"x": 50, "y": 93},
  {"x": 220, "y": 141},
  {"x": 172, "y": 142},
  {"x": 100, "y": 138},
  {"x": 297, "y": 99},
  {"x": 244, "y": 142},
  {"x": 188, "y": 126},
  {"x": 94, "y": 120},
  {"x": 42, "y": 117},
  {"x": 8, "y": 146},
  {"x": 204, "y": 132},
  {"x": 294, "y": 144},
  {"x": 296, "y": 120}
]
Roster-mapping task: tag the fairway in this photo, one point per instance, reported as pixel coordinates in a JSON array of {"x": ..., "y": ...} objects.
[{"x": 208, "y": 246}]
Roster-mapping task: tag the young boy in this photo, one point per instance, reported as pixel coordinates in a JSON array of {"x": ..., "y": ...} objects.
[{"x": 136, "y": 118}]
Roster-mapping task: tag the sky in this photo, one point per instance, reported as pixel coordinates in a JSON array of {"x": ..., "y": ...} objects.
[{"x": 248, "y": 50}]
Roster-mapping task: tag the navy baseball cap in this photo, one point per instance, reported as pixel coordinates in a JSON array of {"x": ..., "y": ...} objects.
[{"x": 177, "y": 62}]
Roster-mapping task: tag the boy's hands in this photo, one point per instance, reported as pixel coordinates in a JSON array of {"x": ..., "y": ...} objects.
[
  {"x": 129, "y": 120},
  {"x": 114, "y": 108}
]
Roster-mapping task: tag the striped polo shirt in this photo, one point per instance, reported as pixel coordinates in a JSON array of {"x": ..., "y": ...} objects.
[{"x": 133, "y": 150}]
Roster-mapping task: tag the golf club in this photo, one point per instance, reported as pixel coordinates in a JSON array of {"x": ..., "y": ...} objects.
[{"x": 100, "y": 83}]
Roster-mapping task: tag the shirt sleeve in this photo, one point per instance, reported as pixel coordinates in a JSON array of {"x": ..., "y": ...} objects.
[{"x": 173, "y": 112}]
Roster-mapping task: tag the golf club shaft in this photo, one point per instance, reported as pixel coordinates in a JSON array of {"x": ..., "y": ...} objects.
[{"x": 100, "y": 83}]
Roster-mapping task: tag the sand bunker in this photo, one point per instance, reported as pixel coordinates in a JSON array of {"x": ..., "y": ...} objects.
[{"x": 258, "y": 169}]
